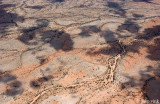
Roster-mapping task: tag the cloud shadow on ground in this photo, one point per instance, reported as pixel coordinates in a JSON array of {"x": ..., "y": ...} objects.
[
  {"x": 7, "y": 19},
  {"x": 149, "y": 79},
  {"x": 13, "y": 86}
]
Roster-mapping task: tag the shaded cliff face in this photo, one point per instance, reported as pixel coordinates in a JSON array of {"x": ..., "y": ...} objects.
[{"x": 79, "y": 51}]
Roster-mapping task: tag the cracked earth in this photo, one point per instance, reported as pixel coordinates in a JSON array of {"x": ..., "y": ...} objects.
[{"x": 79, "y": 51}]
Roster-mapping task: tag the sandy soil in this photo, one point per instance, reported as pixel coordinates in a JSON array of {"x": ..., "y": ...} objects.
[{"x": 79, "y": 52}]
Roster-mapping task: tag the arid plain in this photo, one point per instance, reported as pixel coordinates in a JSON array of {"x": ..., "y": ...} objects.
[{"x": 79, "y": 51}]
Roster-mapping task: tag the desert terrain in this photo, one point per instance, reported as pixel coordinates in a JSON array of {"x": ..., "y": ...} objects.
[{"x": 79, "y": 51}]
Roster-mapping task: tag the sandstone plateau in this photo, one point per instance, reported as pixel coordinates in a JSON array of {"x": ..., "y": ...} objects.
[{"x": 79, "y": 51}]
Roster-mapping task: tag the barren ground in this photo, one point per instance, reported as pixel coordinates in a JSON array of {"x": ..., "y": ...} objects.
[{"x": 79, "y": 51}]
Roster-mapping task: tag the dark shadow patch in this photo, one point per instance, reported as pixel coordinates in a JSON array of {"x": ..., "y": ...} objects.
[
  {"x": 154, "y": 50},
  {"x": 149, "y": 83},
  {"x": 29, "y": 34},
  {"x": 129, "y": 26},
  {"x": 42, "y": 23},
  {"x": 117, "y": 8},
  {"x": 150, "y": 33},
  {"x": 135, "y": 46},
  {"x": 113, "y": 5},
  {"x": 13, "y": 92},
  {"x": 137, "y": 15},
  {"x": 35, "y": 7},
  {"x": 15, "y": 84},
  {"x": 151, "y": 89},
  {"x": 116, "y": 47},
  {"x": 88, "y": 30},
  {"x": 47, "y": 69},
  {"x": 3, "y": 6},
  {"x": 26, "y": 38},
  {"x": 44, "y": 79},
  {"x": 8, "y": 20},
  {"x": 64, "y": 42},
  {"x": 7, "y": 78},
  {"x": 57, "y": 0},
  {"x": 113, "y": 49},
  {"x": 34, "y": 84},
  {"x": 13, "y": 87},
  {"x": 147, "y": 1},
  {"x": 40, "y": 81},
  {"x": 149, "y": 80},
  {"x": 42, "y": 59},
  {"x": 108, "y": 35},
  {"x": 59, "y": 40}
]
